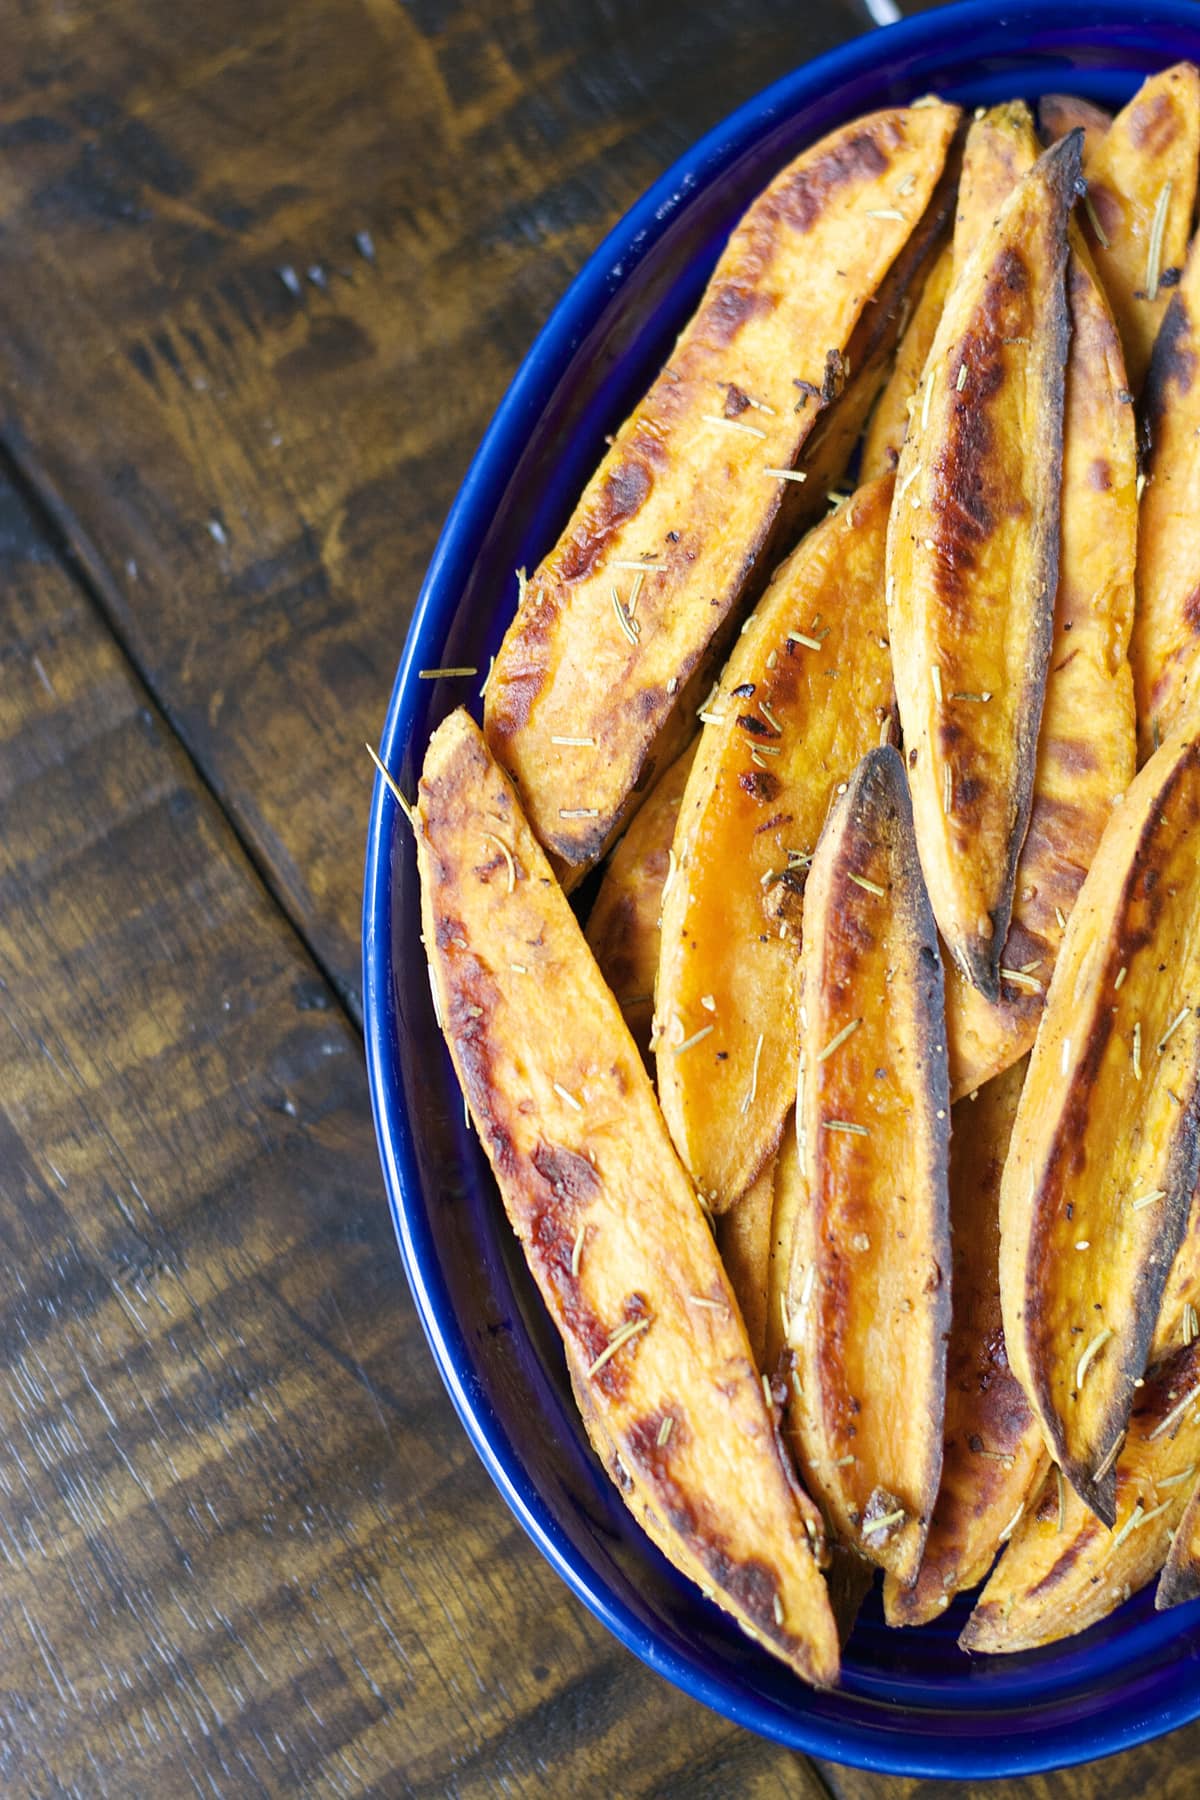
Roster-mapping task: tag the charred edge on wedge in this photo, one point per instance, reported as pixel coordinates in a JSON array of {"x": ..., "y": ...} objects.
[{"x": 1171, "y": 1213}]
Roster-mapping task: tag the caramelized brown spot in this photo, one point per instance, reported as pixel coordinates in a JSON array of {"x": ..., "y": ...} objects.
[
  {"x": 1074, "y": 755},
  {"x": 971, "y": 488},
  {"x": 1154, "y": 124},
  {"x": 1172, "y": 366},
  {"x": 571, "y": 1176},
  {"x": 760, "y": 784},
  {"x": 625, "y": 491},
  {"x": 863, "y": 157},
  {"x": 728, "y": 310}
]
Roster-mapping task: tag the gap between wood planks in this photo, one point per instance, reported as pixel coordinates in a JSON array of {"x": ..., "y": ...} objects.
[{"x": 85, "y": 566}]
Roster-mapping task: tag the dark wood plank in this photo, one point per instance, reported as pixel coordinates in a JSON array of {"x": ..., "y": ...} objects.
[
  {"x": 251, "y": 417},
  {"x": 245, "y": 1547},
  {"x": 1164, "y": 1770}
]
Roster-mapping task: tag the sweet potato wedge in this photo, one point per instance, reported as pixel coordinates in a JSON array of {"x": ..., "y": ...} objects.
[
  {"x": 685, "y": 509},
  {"x": 807, "y": 690},
  {"x": 623, "y": 925},
  {"x": 993, "y": 1455},
  {"x": 1085, "y": 755},
  {"x": 608, "y": 1220},
  {"x": 1141, "y": 190},
  {"x": 1180, "y": 1579},
  {"x": 1001, "y": 147},
  {"x": 1106, "y": 1147},
  {"x": 1060, "y": 113},
  {"x": 881, "y": 338},
  {"x": 744, "y": 1241},
  {"x": 868, "y": 1291},
  {"x": 1178, "y": 1321},
  {"x": 889, "y": 422},
  {"x": 973, "y": 561},
  {"x": 1165, "y": 650},
  {"x": 1063, "y": 1569}
]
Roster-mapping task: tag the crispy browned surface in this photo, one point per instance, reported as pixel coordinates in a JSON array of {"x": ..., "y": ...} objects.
[
  {"x": 623, "y": 925},
  {"x": 1085, "y": 754},
  {"x": 1153, "y": 142},
  {"x": 1064, "y": 1569},
  {"x": 1108, "y": 1116},
  {"x": 889, "y": 421},
  {"x": 1060, "y": 113},
  {"x": 973, "y": 561},
  {"x": 1180, "y": 1579},
  {"x": 1165, "y": 650},
  {"x": 743, "y": 1236},
  {"x": 882, "y": 341},
  {"x": 606, "y": 1216},
  {"x": 694, "y": 498},
  {"x": 868, "y": 1274},
  {"x": 993, "y": 1452},
  {"x": 790, "y": 720}
]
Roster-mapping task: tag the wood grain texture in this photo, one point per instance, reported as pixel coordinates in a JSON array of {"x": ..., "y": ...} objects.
[
  {"x": 245, "y": 1547},
  {"x": 251, "y": 417}
]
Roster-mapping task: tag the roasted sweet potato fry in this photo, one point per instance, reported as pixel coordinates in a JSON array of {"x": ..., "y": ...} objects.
[
  {"x": 882, "y": 338},
  {"x": 889, "y": 421},
  {"x": 1060, "y": 113},
  {"x": 608, "y": 1220},
  {"x": 1141, "y": 181},
  {"x": 806, "y": 692},
  {"x": 1000, "y": 150},
  {"x": 1180, "y": 1579},
  {"x": 973, "y": 561},
  {"x": 1165, "y": 650},
  {"x": 1106, "y": 1147},
  {"x": 623, "y": 925},
  {"x": 993, "y": 1453},
  {"x": 1085, "y": 756},
  {"x": 744, "y": 1240},
  {"x": 868, "y": 1290},
  {"x": 1179, "y": 1312},
  {"x": 684, "y": 512},
  {"x": 1063, "y": 1569}
]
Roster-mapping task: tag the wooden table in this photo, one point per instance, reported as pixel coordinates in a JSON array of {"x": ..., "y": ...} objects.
[{"x": 265, "y": 269}]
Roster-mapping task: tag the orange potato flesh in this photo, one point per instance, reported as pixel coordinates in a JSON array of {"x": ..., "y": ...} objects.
[
  {"x": 1063, "y": 1569},
  {"x": 973, "y": 561},
  {"x": 1166, "y": 630},
  {"x": 867, "y": 1300},
  {"x": 684, "y": 506},
  {"x": 744, "y": 1240},
  {"x": 993, "y": 1454},
  {"x": 1141, "y": 180},
  {"x": 1085, "y": 755},
  {"x": 807, "y": 690},
  {"x": 1105, "y": 1151},
  {"x": 889, "y": 422},
  {"x": 608, "y": 1221},
  {"x": 623, "y": 925}
]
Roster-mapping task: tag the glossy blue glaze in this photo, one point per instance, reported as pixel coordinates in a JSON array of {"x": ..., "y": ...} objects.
[{"x": 911, "y": 1702}]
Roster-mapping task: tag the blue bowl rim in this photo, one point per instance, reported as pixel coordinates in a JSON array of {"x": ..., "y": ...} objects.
[{"x": 623, "y": 247}]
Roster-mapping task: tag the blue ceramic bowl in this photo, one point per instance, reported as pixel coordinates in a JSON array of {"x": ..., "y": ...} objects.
[{"x": 910, "y": 1702}]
